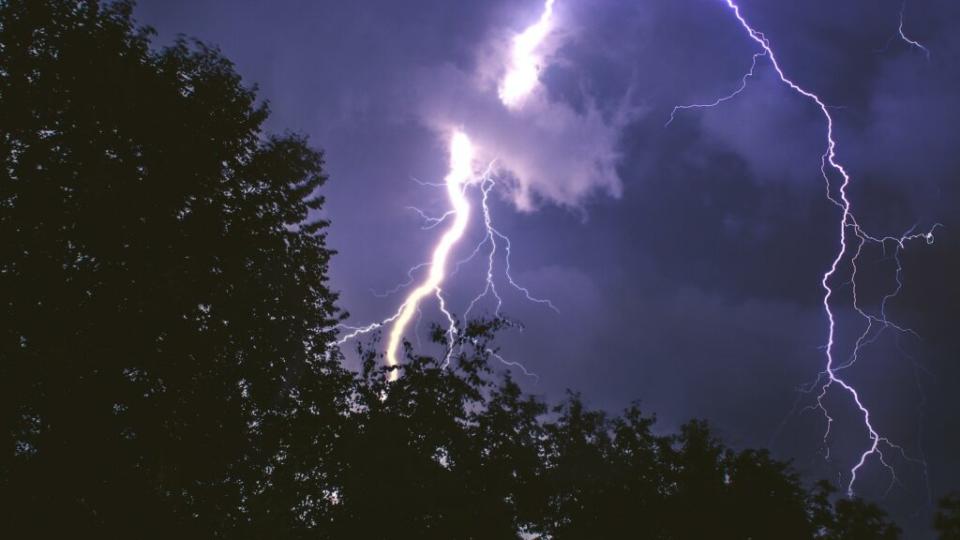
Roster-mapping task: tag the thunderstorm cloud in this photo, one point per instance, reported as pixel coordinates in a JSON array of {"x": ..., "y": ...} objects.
[
  {"x": 695, "y": 284},
  {"x": 549, "y": 149}
]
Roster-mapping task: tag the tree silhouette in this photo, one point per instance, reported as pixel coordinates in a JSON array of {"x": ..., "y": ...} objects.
[
  {"x": 165, "y": 312},
  {"x": 947, "y": 520}
]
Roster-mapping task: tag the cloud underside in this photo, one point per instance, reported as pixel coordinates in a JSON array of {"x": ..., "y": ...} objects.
[{"x": 545, "y": 150}]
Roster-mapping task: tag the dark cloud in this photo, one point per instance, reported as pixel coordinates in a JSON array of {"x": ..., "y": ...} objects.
[{"x": 687, "y": 265}]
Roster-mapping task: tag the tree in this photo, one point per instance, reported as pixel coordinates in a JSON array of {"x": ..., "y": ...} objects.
[
  {"x": 855, "y": 519},
  {"x": 847, "y": 518},
  {"x": 440, "y": 453},
  {"x": 947, "y": 520},
  {"x": 165, "y": 320}
]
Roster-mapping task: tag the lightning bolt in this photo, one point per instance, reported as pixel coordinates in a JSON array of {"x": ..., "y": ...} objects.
[
  {"x": 901, "y": 35},
  {"x": 520, "y": 80},
  {"x": 852, "y": 239},
  {"x": 491, "y": 237},
  {"x": 722, "y": 99},
  {"x": 461, "y": 173}
]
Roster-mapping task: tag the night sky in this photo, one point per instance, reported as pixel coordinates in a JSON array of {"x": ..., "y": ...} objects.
[{"x": 685, "y": 260}]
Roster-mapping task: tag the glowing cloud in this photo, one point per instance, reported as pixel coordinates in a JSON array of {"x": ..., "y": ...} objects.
[
  {"x": 517, "y": 85},
  {"x": 522, "y": 73}
]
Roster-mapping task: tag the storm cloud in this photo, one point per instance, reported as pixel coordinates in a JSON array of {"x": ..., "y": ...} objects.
[{"x": 685, "y": 259}]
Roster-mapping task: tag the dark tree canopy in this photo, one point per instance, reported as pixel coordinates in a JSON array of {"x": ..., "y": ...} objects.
[
  {"x": 168, "y": 364},
  {"x": 165, "y": 310},
  {"x": 462, "y": 453},
  {"x": 947, "y": 520}
]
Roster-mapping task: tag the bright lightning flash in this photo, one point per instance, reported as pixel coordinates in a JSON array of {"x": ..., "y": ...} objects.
[
  {"x": 520, "y": 80},
  {"x": 523, "y": 73},
  {"x": 852, "y": 239},
  {"x": 461, "y": 173}
]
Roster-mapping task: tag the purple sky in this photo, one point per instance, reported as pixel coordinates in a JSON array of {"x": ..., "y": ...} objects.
[{"x": 687, "y": 274}]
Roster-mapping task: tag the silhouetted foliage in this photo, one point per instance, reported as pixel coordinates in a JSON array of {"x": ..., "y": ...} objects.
[
  {"x": 947, "y": 520},
  {"x": 455, "y": 452},
  {"x": 165, "y": 312},
  {"x": 167, "y": 338}
]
